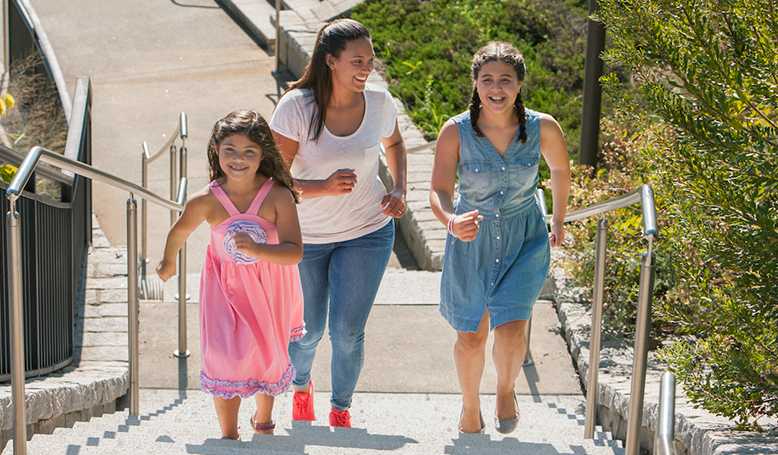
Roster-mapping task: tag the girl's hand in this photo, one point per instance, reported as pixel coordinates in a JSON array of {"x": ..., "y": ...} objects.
[
  {"x": 246, "y": 245},
  {"x": 341, "y": 182},
  {"x": 393, "y": 204},
  {"x": 166, "y": 269},
  {"x": 465, "y": 226},
  {"x": 557, "y": 236}
]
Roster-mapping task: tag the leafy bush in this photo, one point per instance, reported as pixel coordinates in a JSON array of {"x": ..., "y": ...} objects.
[
  {"x": 708, "y": 70},
  {"x": 622, "y": 168}
]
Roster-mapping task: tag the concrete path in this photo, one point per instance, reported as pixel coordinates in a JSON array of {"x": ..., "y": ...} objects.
[
  {"x": 148, "y": 61},
  {"x": 419, "y": 424},
  {"x": 408, "y": 349}
]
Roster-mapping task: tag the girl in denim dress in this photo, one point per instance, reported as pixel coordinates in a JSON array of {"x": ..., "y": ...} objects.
[{"x": 497, "y": 250}]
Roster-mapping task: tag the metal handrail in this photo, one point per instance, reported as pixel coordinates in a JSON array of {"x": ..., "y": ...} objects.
[
  {"x": 180, "y": 132},
  {"x": 665, "y": 429},
  {"x": 179, "y": 165},
  {"x": 645, "y": 196},
  {"x": 43, "y": 169},
  {"x": 47, "y": 156},
  {"x": 37, "y": 155}
]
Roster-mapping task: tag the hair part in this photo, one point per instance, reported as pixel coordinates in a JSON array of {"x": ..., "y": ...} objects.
[
  {"x": 253, "y": 126},
  {"x": 317, "y": 76},
  {"x": 498, "y": 51}
]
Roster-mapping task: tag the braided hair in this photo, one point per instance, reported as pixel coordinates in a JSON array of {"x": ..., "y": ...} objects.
[{"x": 498, "y": 51}]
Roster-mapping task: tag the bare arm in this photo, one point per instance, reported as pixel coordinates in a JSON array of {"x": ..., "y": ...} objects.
[
  {"x": 289, "y": 250},
  {"x": 340, "y": 182},
  {"x": 394, "y": 203},
  {"x": 444, "y": 173},
  {"x": 554, "y": 150},
  {"x": 195, "y": 212}
]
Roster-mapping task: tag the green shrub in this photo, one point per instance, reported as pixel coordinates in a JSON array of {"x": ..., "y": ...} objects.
[
  {"x": 707, "y": 69},
  {"x": 427, "y": 46},
  {"x": 622, "y": 168}
]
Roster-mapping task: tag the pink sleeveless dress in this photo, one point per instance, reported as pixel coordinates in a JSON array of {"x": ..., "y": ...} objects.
[{"x": 249, "y": 309}]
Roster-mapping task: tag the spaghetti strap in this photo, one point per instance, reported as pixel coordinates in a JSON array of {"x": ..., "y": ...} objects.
[
  {"x": 264, "y": 190},
  {"x": 225, "y": 201}
]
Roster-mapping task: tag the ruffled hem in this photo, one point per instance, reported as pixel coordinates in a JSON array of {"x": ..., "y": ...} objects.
[
  {"x": 298, "y": 333},
  {"x": 227, "y": 389}
]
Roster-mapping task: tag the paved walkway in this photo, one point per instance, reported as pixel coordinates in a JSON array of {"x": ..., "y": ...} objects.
[{"x": 149, "y": 61}]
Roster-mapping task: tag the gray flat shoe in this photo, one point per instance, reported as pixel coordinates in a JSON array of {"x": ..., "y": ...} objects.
[{"x": 506, "y": 426}]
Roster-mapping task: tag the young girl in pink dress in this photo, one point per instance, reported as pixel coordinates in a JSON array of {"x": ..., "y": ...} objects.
[{"x": 250, "y": 296}]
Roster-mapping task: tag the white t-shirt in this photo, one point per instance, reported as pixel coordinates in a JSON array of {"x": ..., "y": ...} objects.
[{"x": 330, "y": 219}]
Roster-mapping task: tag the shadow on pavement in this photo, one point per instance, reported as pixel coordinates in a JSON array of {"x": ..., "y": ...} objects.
[
  {"x": 482, "y": 444},
  {"x": 303, "y": 434}
]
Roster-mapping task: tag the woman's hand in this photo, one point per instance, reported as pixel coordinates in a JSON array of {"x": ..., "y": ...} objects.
[
  {"x": 465, "y": 226},
  {"x": 340, "y": 182},
  {"x": 166, "y": 269},
  {"x": 246, "y": 245},
  {"x": 393, "y": 203},
  {"x": 557, "y": 236}
]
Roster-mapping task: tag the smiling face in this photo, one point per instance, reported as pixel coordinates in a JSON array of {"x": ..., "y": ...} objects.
[
  {"x": 352, "y": 67},
  {"x": 239, "y": 157},
  {"x": 498, "y": 86}
]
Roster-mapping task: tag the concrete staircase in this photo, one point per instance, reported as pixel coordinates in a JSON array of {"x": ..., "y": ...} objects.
[{"x": 184, "y": 422}]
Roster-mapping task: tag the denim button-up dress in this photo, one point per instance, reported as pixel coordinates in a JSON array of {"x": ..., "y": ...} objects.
[{"x": 504, "y": 268}]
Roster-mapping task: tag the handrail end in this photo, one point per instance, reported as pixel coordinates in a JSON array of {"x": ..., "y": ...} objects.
[
  {"x": 182, "y": 186},
  {"x": 26, "y": 168},
  {"x": 183, "y": 125},
  {"x": 649, "y": 211}
]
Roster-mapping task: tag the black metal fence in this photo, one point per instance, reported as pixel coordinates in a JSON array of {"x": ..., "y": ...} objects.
[{"x": 56, "y": 234}]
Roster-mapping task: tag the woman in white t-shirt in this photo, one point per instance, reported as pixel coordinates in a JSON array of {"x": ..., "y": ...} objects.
[{"x": 330, "y": 127}]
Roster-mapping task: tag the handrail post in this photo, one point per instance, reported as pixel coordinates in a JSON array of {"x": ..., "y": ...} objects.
[
  {"x": 595, "y": 344},
  {"x": 665, "y": 428},
  {"x": 643, "y": 323},
  {"x": 132, "y": 303},
  {"x": 278, "y": 36},
  {"x": 14, "y": 231},
  {"x": 173, "y": 180},
  {"x": 144, "y": 215},
  {"x": 182, "y": 351}
]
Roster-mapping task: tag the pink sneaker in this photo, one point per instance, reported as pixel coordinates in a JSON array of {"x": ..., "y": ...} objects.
[
  {"x": 340, "y": 418},
  {"x": 302, "y": 404}
]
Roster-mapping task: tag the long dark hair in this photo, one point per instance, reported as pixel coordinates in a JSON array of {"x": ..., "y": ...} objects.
[
  {"x": 331, "y": 39},
  {"x": 498, "y": 51},
  {"x": 253, "y": 126}
]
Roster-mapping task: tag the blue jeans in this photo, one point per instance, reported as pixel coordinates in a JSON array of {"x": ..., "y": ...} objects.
[{"x": 345, "y": 275}]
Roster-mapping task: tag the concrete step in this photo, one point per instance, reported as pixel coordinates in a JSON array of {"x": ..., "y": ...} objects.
[
  {"x": 255, "y": 17},
  {"x": 173, "y": 422}
]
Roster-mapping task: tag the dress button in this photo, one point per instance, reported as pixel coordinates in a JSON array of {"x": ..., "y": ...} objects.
[
  {"x": 476, "y": 169},
  {"x": 502, "y": 192},
  {"x": 496, "y": 215},
  {"x": 502, "y": 168},
  {"x": 498, "y": 237},
  {"x": 497, "y": 260}
]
